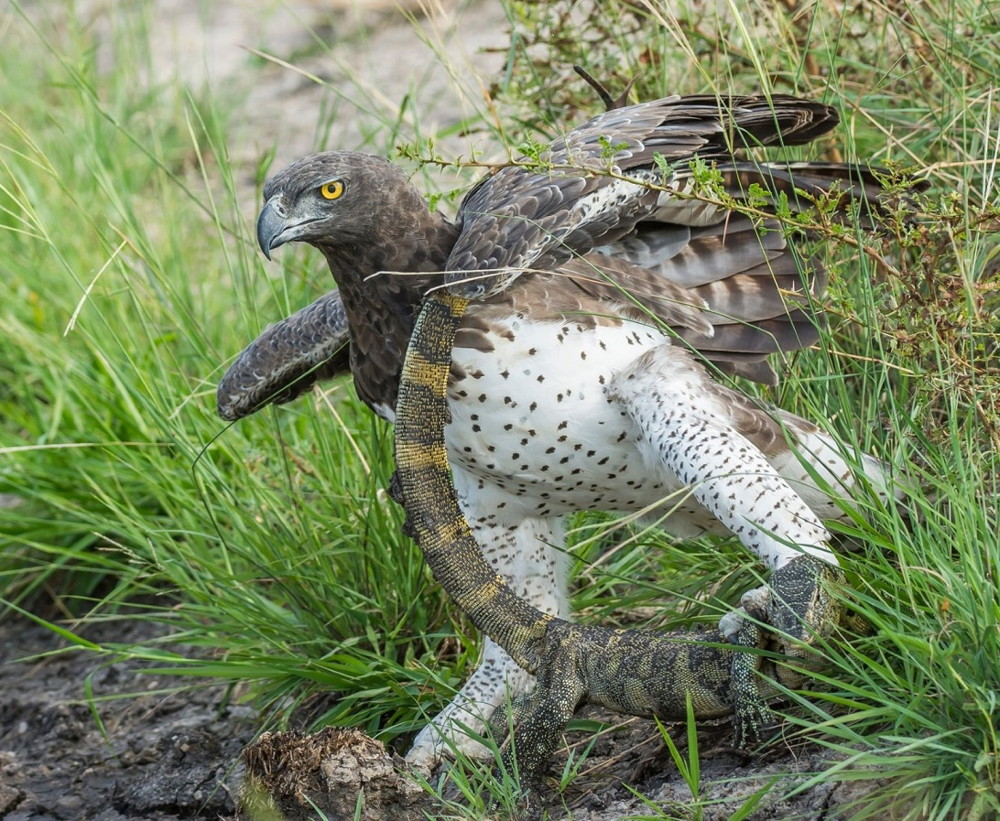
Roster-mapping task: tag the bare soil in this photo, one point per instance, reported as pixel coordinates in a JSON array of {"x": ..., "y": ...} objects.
[
  {"x": 165, "y": 756},
  {"x": 169, "y": 756},
  {"x": 173, "y": 756}
]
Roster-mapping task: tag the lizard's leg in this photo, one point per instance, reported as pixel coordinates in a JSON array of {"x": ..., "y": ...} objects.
[
  {"x": 528, "y": 553},
  {"x": 538, "y": 730},
  {"x": 751, "y": 715}
]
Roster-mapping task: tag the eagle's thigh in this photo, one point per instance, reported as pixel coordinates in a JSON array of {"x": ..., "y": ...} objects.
[
  {"x": 528, "y": 551},
  {"x": 686, "y": 431}
]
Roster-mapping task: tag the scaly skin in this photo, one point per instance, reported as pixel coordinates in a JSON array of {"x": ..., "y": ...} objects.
[{"x": 628, "y": 671}]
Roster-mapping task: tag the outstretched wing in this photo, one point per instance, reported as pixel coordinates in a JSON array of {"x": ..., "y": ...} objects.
[
  {"x": 287, "y": 359},
  {"x": 518, "y": 218}
]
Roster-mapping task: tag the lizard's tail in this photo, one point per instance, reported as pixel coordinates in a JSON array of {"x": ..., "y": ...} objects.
[{"x": 432, "y": 507}]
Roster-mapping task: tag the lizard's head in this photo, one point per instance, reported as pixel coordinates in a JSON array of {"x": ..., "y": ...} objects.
[{"x": 805, "y": 608}]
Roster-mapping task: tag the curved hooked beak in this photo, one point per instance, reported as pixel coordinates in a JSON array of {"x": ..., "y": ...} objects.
[{"x": 271, "y": 224}]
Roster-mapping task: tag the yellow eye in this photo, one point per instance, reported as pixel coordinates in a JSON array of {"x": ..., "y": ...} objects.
[{"x": 332, "y": 190}]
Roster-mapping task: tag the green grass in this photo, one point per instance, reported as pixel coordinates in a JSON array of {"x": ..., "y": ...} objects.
[{"x": 131, "y": 277}]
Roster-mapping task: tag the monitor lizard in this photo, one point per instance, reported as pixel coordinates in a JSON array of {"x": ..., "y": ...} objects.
[{"x": 629, "y": 671}]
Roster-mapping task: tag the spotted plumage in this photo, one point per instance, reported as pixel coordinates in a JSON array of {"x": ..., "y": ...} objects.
[{"x": 582, "y": 371}]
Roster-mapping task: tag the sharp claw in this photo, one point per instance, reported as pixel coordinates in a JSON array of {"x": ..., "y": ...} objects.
[
  {"x": 731, "y": 624},
  {"x": 758, "y": 602},
  {"x": 751, "y": 722}
]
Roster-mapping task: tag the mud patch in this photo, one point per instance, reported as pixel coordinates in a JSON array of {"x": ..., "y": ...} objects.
[
  {"x": 167, "y": 755},
  {"x": 163, "y": 754}
]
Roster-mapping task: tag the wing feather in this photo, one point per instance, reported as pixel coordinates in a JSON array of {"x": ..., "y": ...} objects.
[
  {"x": 518, "y": 219},
  {"x": 287, "y": 359}
]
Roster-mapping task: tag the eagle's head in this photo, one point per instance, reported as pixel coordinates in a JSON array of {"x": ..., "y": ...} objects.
[{"x": 333, "y": 200}]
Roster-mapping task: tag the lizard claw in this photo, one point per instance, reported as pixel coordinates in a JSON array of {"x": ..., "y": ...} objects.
[{"x": 751, "y": 721}]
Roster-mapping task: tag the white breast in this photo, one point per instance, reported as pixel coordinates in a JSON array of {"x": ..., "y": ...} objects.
[{"x": 532, "y": 418}]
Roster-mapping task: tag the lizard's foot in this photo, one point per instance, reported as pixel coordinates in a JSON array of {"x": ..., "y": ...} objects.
[
  {"x": 742, "y": 628},
  {"x": 454, "y": 729},
  {"x": 752, "y": 719}
]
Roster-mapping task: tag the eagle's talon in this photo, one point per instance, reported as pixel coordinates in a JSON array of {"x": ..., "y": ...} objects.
[
  {"x": 804, "y": 608},
  {"x": 731, "y": 624}
]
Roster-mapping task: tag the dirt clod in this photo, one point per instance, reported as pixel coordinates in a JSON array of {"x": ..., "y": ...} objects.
[{"x": 332, "y": 771}]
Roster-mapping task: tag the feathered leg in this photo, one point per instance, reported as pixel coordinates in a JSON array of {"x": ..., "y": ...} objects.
[
  {"x": 528, "y": 552},
  {"x": 689, "y": 434}
]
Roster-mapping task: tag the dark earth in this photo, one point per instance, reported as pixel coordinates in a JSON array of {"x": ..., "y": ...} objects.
[
  {"x": 178, "y": 754},
  {"x": 166, "y": 756}
]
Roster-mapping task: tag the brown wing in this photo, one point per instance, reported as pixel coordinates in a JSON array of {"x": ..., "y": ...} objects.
[
  {"x": 287, "y": 359},
  {"x": 519, "y": 219},
  {"x": 750, "y": 297},
  {"x": 757, "y": 296}
]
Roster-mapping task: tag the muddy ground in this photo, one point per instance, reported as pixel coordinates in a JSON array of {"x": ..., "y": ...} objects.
[
  {"x": 166, "y": 756},
  {"x": 171, "y": 756}
]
